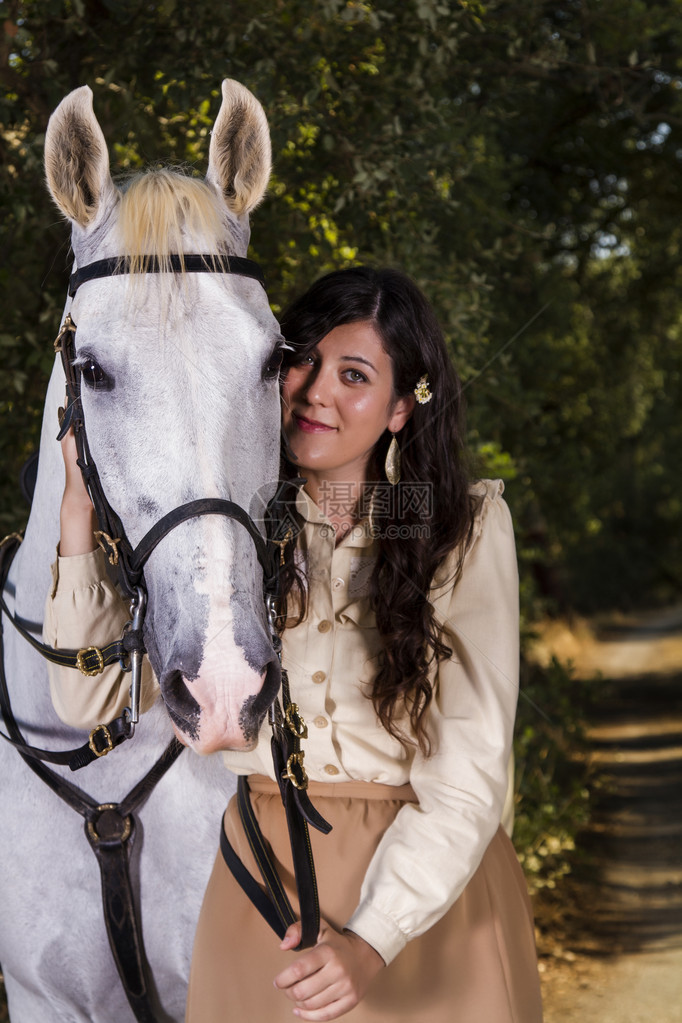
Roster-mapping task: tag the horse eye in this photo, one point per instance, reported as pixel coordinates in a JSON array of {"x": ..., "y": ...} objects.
[
  {"x": 274, "y": 364},
  {"x": 94, "y": 376}
]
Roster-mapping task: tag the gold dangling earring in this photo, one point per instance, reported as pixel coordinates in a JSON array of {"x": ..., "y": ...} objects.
[{"x": 392, "y": 464}]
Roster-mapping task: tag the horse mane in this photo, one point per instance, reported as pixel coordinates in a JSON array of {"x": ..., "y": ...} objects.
[{"x": 163, "y": 210}]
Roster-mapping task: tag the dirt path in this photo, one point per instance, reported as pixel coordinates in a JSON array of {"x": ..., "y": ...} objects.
[
  {"x": 624, "y": 958},
  {"x": 644, "y": 987}
]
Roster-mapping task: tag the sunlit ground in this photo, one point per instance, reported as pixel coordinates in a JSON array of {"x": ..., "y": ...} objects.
[{"x": 612, "y": 953}]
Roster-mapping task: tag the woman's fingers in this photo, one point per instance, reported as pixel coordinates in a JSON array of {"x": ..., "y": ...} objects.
[
  {"x": 292, "y": 936},
  {"x": 70, "y": 455},
  {"x": 332, "y": 1011},
  {"x": 328, "y": 980},
  {"x": 316, "y": 993},
  {"x": 291, "y": 980}
]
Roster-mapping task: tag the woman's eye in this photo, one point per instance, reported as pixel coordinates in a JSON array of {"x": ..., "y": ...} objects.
[
  {"x": 355, "y": 376},
  {"x": 94, "y": 376},
  {"x": 302, "y": 365},
  {"x": 274, "y": 364}
]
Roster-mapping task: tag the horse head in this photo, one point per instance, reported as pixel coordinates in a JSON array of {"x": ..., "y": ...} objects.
[{"x": 179, "y": 394}]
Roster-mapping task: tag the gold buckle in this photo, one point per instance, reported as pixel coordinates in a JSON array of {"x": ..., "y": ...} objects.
[
  {"x": 81, "y": 664},
  {"x": 11, "y": 536},
  {"x": 295, "y": 722},
  {"x": 297, "y": 760},
  {"x": 282, "y": 544},
  {"x": 67, "y": 327},
  {"x": 108, "y": 545},
  {"x": 109, "y": 743}
]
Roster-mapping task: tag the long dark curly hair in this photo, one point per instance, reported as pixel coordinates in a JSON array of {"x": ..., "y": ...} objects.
[{"x": 430, "y": 513}]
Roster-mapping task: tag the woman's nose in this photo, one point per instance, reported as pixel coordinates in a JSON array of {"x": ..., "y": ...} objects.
[{"x": 317, "y": 390}]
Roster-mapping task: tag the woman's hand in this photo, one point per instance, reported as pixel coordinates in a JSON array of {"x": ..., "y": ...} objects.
[
  {"x": 330, "y": 979},
  {"x": 77, "y": 516}
]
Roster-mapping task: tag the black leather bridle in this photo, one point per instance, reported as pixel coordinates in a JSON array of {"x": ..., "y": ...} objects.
[
  {"x": 111, "y": 534},
  {"x": 128, "y": 561},
  {"x": 110, "y": 826}
]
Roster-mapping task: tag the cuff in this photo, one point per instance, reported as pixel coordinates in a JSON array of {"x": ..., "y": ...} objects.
[
  {"x": 379, "y": 931},
  {"x": 78, "y": 571}
]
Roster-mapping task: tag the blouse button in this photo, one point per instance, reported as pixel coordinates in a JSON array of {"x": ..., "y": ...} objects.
[
  {"x": 320, "y": 721},
  {"x": 330, "y": 769},
  {"x": 337, "y": 583},
  {"x": 319, "y": 676},
  {"x": 324, "y": 626}
]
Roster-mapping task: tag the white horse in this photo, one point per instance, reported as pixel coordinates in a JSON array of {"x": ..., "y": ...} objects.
[{"x": 181, "y": 402}]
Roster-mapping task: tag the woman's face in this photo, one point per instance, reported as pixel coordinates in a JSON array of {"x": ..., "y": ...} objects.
[{"x": 338, "y": 401}]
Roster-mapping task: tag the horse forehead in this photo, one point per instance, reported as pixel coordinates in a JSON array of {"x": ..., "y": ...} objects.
[
  {"x": 190, "y": 371},
  {"x": 214, "y": 311},
  {"x": 169, "y": 300}
]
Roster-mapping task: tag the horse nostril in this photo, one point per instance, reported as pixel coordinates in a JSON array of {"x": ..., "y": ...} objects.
[
  {"x": 182, "y": 708},
  {"x": 272, "y": 679}
]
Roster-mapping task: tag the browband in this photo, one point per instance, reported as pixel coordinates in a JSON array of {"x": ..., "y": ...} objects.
[{"x": 193, "y": 264}]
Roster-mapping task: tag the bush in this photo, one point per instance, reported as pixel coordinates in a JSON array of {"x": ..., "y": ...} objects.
[{"x": 552, "y": 772}]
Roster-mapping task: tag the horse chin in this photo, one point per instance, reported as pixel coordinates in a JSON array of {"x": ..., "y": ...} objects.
[
  {"x": 205, "y": 743},
  {"x": 208, "y": 739}
]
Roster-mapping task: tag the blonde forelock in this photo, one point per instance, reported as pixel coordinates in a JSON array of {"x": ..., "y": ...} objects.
[{"x": 163, "y": 212}]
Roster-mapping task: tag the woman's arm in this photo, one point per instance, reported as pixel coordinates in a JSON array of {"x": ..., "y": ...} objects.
[
  {"x": 77, "y": 521},
  {"x": 433, "y": 848},
  {"x": 85, "y": 609}
]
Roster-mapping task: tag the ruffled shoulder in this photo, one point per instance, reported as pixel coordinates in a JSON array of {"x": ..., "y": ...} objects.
[
  {"x": 488, "y": 497},
  {"x": 490, "y": 513}
]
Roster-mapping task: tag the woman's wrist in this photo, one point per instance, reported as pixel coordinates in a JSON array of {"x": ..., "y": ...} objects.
[
  {"x": 77, "y": 526},
  {"x": 77, "y": 520},
  {"x": 373, "y": 958}
]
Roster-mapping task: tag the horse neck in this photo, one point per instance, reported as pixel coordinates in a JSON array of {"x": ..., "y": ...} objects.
[{"x": 31, "y": 571}]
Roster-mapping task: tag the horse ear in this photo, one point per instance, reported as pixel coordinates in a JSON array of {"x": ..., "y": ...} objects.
[
  {"x": 240, "y": 156},
  {"x": 76, "y": 158}
]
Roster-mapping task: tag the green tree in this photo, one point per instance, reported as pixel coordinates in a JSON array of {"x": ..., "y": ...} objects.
[{"x": 519, "y": 159}]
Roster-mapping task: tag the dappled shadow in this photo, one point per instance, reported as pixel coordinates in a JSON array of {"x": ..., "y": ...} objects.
[
  {"x": 642, "y": 628},
  {"x": 627, "y": 882}
]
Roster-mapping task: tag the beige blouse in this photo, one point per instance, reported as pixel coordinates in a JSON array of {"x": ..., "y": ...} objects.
[{"x": 433, "y": 848}]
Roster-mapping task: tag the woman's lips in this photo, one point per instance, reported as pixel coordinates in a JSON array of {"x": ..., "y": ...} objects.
[{"x": 310, "y": 426}]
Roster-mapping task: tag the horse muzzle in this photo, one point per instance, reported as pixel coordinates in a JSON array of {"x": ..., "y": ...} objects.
[{"x": 212, "y": 714}]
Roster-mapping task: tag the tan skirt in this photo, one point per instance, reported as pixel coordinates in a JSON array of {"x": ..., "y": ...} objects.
[{"x": 476, "y": 965}]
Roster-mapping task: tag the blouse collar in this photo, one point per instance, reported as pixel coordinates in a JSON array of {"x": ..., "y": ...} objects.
[{"x": 359, "y": 536}]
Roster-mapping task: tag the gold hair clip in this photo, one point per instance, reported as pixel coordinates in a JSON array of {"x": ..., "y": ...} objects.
[{"x": 422, "y": 392}]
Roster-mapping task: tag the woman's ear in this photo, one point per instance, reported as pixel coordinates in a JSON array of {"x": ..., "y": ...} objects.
[{"x": 402, "y": 410}]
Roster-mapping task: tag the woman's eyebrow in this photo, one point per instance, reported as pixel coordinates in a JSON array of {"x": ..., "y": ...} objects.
[{"x": 357, "y": 358}]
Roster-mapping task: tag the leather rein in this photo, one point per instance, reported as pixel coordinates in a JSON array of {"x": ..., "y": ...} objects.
[{"x": 110, "y": 826}]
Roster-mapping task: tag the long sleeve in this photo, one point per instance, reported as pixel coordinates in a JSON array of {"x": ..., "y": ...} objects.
[
  {"x": 433, "y": 848},
  {"x": 85, "y": 609}
]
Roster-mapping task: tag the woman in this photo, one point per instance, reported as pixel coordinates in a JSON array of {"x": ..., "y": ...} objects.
[{"x": 400, "y": 615}]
